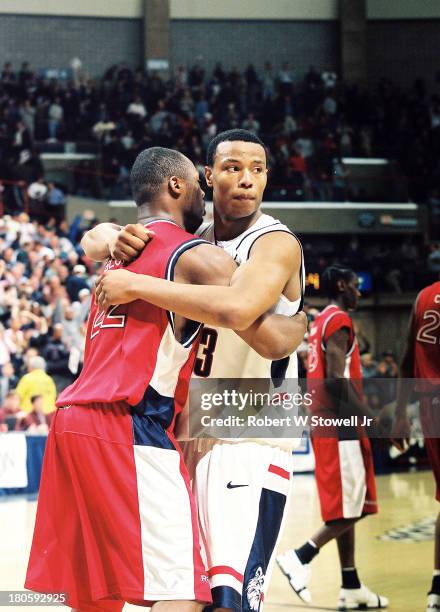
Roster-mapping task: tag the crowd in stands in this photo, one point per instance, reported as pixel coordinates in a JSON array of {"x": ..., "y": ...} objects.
[
  {"x": 45, "y": 292},
  {"x": 393, "y": 264},
  {"x": 308, "y": 123}
]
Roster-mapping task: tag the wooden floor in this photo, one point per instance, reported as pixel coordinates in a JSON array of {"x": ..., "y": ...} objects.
[{"x": 400, "y": 569}]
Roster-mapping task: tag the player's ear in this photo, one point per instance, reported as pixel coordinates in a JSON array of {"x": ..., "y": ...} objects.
[
  {"x": 208, "y": 175},
  {"x": 341, "y": 285},
  {"x": 175, "y": 186}
]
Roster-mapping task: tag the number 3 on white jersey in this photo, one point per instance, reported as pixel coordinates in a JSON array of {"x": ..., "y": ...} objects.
[{"x": 107, "y": 318}]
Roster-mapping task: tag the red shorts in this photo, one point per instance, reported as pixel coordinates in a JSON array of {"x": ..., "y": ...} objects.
[
  {"x": 116, "y": 520},
  {"x": 433, "y": 449},
  {"x": 345, "y": 478}
]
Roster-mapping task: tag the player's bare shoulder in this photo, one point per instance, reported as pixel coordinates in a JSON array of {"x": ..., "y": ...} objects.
[
  {"x": 205, "y": 264},
  {"x": 278, "y": 245}
]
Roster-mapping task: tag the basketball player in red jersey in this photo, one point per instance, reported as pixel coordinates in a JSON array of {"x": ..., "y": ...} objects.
[
  {"x": 116, "y": 520},
  {"x": 421, "y": 360},
  {"x": 344, "y": 467},
  {"x": 270, "y": 275}
]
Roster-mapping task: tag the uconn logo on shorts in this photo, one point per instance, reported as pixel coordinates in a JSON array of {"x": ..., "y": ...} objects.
[{"x": 254, "y": 589}]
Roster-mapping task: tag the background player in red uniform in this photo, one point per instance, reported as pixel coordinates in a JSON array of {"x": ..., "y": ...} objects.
[
  {"x": 344, "y": 467},
  {"x": 421, "y": 360},
  {"x": 116, "y": 520}
]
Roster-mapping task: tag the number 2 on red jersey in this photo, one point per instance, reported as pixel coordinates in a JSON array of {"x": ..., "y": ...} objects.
[{"x": 107, "y": 318}]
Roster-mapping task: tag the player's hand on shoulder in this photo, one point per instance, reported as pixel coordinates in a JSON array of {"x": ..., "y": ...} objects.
[
  {"x": 130, "y": 241},
  {"x": 301, "y": 318},
  {"x": 115, "y": 287}
]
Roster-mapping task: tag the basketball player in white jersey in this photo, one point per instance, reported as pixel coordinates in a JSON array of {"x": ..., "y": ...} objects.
[{"x": 241, "y": 488}]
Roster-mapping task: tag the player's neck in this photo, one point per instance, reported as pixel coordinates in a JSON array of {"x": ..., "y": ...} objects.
[
  {"x": 339, "y": 303},
  {"x": 227, "y": 229},
  {"x": 159, "y": 210}
]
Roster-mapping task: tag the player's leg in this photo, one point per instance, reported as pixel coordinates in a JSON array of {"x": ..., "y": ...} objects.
[
  {"x": 346, "y": 551},
  {"x": 433, "y": 449},
  {"x": 295, "y": 563},
  {"x": 101, "y": 605},
  {"x": 434, "y": 592},
  {"x": 345, "y": 480},
  {"x": 240, "y": 517},
  {"x": 177, "y": 606}
]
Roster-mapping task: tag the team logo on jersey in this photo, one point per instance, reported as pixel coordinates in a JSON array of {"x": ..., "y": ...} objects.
[
  {"x": 254, "y": 589},
  {"x": 235, "y": 486}
]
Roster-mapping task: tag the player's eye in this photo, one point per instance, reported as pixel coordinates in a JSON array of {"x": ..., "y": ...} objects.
[{"x": 258, "y": 170}]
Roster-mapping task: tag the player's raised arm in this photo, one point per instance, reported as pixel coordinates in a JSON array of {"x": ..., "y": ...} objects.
[
  {"x": 111, "y": 240},
  {"x": 255, "y": 286}
]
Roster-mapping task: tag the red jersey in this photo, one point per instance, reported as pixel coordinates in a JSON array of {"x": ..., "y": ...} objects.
[
  {"x": 329, "y": 321},
  {"x": 131, "y": 351},
  {"x": 426, "y": 329}
]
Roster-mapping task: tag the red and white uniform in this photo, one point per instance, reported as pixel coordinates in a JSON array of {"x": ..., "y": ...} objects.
[
  {"x": 426, "y": 330},
  {"x": 344, "y": 467},
  {"x": 116, "y": 519}
]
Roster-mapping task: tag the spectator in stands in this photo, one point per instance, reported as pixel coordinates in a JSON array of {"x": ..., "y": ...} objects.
[
  {"x": 8, "y": 381},
  {"x": 369, "y": 366},
  {"x": 251, "y": 124},
  {"x": 36, "y": 382},
  {"x": 10, "y": 411},
  {"x": 55, "y": 200},
  {"x": 56, "y": 354},
  {"x": 37, "y": 192},
  {"x": 76, "y": 281},
  {"x": 37, "y": 420},
  {"x": 329, "y": 78},
  {"x": 137, "y": 109},
  {"x": 55, "y": 118},
  {"x": 434, "y": 258}
]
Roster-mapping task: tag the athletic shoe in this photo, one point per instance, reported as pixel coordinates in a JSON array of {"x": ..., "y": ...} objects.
[
  {"x": 433, "y": 602},
  {"x": 297, "y": 573},
  {"x": 361, "y": 599}
]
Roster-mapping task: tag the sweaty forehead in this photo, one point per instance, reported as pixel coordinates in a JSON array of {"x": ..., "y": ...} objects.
[{"x": 240, "y": 150}]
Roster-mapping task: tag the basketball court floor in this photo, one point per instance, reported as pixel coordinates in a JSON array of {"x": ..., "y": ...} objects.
[{"x": 394, "y": 548}]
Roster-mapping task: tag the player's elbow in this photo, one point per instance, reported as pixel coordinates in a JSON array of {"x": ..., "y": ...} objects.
[
  {"x": 235, "y": 317},
  {"x": 89, "y": 247}
]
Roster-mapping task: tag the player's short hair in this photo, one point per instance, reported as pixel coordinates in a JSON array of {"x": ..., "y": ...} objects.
[
  {"x": 332, "y": 275},
  {"x": 152, "y": 167},
  {"x": 230, "y": 136}
]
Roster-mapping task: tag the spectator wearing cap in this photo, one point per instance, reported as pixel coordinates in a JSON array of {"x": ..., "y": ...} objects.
[
  {"x": 76, "y": 281},
  {"x": 37, "y": 382}
]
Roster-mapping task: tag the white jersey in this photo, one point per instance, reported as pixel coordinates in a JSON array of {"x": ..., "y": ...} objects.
[{"x": 222, "y": 353}]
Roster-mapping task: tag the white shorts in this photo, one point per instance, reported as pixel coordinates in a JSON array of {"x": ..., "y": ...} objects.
[{"x": 241, "y": 490}]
